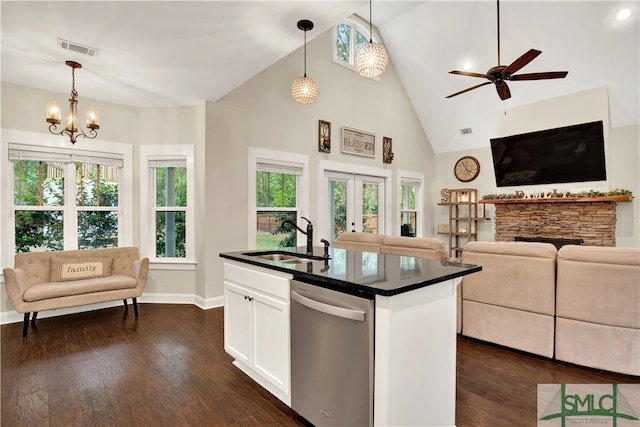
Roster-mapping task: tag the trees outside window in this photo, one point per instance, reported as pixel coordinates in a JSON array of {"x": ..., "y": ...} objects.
[
  {"x": 46, "y": 213},
  {"x": 276, "y": 201}
]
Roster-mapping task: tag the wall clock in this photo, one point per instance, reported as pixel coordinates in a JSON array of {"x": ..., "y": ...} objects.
[{"x": 467, "y": 168}]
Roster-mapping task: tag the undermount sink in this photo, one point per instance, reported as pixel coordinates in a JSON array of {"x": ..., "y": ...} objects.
[{"x": 284, "y": 256}]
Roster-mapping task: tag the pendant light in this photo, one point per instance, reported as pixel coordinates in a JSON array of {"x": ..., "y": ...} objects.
[
  {"x": 305, "y": 90},
  {"x": 371, "y": 59}
]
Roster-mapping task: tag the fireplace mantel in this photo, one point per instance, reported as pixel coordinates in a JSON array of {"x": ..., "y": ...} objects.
[
  {"x": 592, "y": 219},
  {"x": 613, "y": 199}
]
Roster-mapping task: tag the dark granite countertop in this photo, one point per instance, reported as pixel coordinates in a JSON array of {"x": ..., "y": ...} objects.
[{"x": 363, "y": 274}]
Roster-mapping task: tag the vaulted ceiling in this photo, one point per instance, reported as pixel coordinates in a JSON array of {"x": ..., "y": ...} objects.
[{"x": 170, "y": 53}]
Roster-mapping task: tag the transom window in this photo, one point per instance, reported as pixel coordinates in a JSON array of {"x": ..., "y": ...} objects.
[{"x": 348, "y": 36}]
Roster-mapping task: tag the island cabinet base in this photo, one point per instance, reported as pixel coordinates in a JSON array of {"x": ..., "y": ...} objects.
[
  {"x": 256, "y": 325},
  {"x": 415, "y": 357}
]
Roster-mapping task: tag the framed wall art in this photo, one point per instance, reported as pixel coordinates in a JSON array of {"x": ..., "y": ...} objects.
[
  {"x": 324, "y": 136},
  {"x": 358, "y": 142}
]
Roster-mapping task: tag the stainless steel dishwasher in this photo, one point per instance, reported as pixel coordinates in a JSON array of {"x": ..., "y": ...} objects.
[{"x": 331, "y": 356}]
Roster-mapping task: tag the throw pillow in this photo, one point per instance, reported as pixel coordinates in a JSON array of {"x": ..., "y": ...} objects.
[{"x": 67, "y": 269}]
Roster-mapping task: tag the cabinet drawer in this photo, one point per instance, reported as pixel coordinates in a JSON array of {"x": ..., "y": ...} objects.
[{"x": 269, "y": 281}]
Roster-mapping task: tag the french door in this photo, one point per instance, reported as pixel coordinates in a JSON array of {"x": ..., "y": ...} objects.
[{"x": 355, "y": 203}]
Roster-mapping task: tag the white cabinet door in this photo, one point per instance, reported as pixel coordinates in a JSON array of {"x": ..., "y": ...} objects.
[
  {"x": 271, "y": 344},
  {"x": 237, "y": 321}
]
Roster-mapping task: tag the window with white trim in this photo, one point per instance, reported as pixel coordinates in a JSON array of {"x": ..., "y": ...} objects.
[
  {"x": 410, "y": 204},
  {"x": 167, "y": 222},
  {"x": 348, "y": 36},
  {"x": 61, "y": 197},
  {"x": 276, "y": 180}
]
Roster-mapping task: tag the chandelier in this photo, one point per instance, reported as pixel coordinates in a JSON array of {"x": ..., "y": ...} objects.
[
  {"x": 305, "y": 90},
  {"x": 371, "y": 59},
  {"x": 71, "y": 127}
]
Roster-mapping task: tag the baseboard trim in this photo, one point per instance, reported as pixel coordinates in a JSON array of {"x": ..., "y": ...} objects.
[{"x": 146, "y": 298}]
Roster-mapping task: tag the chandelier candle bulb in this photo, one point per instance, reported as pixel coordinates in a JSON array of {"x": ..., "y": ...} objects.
[
  {"x": 93, "y": 120},
  {"x": 53, "y": 112}
]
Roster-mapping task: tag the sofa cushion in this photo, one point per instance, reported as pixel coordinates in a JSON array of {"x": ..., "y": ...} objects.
[
  {"x": 599, "y": 285},
  {"x": 426, "y": 247},
  {"x": 66, "y": 269},
  {"x": 47, "y": 290}
]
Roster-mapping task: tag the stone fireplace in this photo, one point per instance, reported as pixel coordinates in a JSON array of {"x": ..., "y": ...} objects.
[{"x": 592, "y": 220}]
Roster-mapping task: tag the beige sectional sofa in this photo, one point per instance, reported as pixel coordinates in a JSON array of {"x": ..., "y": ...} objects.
[
  {"x": 424, "y": 247},
  {"x": 580, "y": 304},
  {"x": 53, "y": 280},
  {"x": 598, "y": 308},
  {"x": 511, "y": 302}
]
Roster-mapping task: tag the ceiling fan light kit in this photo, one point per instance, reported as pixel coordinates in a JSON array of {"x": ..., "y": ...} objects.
[
  {"x": 305, "y": 90},
  {"x": 371, "y": 59},
  {"x": 500, "y": 74}
]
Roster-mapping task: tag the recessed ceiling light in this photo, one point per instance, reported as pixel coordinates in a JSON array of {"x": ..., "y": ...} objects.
[
  {"x": 466, "y": 66},
  {"x": 623, "y": 14}
]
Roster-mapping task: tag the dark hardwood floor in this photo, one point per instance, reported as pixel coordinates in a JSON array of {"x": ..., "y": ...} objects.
[{"x": 169, "y": 368}]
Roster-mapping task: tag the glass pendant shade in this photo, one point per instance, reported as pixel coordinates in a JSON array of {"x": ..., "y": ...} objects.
[
  {"x": 305, "y": 90},
  {"x": 371, "y": 60}
]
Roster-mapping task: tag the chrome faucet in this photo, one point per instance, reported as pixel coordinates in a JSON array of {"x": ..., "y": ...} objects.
[{"x": 308, "y": 233}]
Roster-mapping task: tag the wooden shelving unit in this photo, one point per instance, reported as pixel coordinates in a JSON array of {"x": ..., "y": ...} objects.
[{"x": 464, "y": 215}]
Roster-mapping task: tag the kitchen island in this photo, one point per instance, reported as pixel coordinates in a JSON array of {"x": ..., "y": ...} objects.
[{"x": 413, "y": 348}]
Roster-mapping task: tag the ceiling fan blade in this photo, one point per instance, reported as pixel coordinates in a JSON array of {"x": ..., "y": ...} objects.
[
  {"x": 467, "y": 90},
  {"x": 503, "y": 90},
  {"x": 520, "y": 62},
  {"x": 469, "y": 74},
  {"x": 540, "y": 76}
]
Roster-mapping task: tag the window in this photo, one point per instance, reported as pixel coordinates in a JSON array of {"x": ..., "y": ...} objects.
[
  {"x": 61, "y": 197},
  {"x": 410, "y": 204},
  {"x": 348, "y": 37},
  {"x": 167, "y": 234},
  {"x": 276, "y": 194}
]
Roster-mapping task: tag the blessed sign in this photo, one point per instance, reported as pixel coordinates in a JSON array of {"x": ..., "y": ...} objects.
[{"x": 358, "y": 142}]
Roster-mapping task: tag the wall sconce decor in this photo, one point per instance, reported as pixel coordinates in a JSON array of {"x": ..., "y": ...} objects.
[
  {"x": 324, "y": 136},
  {"x": 387, "y": 150},
  {"x": 71, "y": 121}
]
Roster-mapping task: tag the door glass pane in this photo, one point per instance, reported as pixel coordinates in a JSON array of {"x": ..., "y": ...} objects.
[
  {"x": 97, "y": 229},
  {"x": 268, "y": 232},
  {"x": 370, "y": 208},
  {"x": 97, "y": 185},
  {"x": 38, "y": 231},
  {"x": 337, "y": 207},
  {"x": 38, "y": 183}
]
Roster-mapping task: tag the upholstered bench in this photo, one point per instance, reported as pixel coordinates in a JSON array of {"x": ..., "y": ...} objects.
[{"x": 53, "y": 280}]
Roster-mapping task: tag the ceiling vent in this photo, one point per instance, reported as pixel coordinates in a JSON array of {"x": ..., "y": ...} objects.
[
  {"x": 466, "y": 131},
  {"x": 76, "y": 47}
]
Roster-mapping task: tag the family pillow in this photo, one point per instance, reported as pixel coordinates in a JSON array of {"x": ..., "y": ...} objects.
[{"x": 66, "y": 269}]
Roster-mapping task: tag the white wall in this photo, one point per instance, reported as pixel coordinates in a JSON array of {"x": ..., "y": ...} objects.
[
  {"x": 261, "y": 113},
  {"x": 622, "y": 157}
]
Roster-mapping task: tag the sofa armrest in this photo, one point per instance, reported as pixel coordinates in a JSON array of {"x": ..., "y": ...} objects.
[
  {"x": 141, "y": 271},
  {"x": 16, "y": 283}
]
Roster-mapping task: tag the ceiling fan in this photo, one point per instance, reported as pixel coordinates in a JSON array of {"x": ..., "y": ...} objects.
[{"x": 499, "y": 74}]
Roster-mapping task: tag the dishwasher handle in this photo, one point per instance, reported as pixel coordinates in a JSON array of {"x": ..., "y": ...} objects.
[{"x": 329, "y": 309}]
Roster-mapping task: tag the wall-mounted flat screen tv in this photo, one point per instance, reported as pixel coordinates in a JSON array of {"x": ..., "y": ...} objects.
[{"x": 553, "y": 156}]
